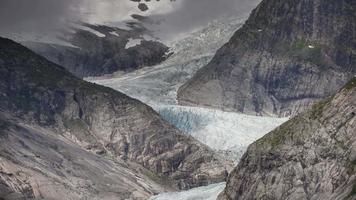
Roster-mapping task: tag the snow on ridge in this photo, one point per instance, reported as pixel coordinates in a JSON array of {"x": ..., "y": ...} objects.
[
  {"x": 114, "y": 33},
  {"x": 97, "y": 33}
]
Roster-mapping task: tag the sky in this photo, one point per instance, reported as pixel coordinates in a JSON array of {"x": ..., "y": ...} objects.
[{"x": 48, "y": 16}]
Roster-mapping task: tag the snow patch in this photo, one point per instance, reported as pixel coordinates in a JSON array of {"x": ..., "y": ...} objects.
[
  {"x": 114, "y": 33},
  {"x": 97, "y": 33},
  {"x": 132, "y": 43}
]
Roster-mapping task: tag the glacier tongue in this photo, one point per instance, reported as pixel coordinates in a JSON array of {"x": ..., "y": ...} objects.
[
  {"x": 227, "y": 132},
  {"x": 209, "y": 192}
]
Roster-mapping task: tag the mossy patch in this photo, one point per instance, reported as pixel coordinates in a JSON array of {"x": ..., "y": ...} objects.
[
  {"x": 24, "y": 101},
  {"x": 353, "y": 191},
  {"x": 351, "y": 84},
  {"x": 4, "y": 125},
  {"x": 302, "y": 51},
  {"x": 76, "y": 124},
  {"x": 164, "y": 180},
  {"x": 318, "y": 108},
  {"x": 284, "y": 132}
]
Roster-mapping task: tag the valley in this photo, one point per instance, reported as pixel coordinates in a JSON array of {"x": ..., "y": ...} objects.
[
  {"x": 227, "y": 133},
  {"x": 178, "y": 100}
]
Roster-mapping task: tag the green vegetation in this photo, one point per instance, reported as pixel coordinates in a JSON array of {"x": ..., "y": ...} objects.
[
  {"x": 302, "y": 50},
  {"x": 317, "y": 110},
  {"x": 351, "y": 84},
  {"x": 164, "y": 180},
  {"x": 76, "y": 124},
  {"x": 351, "y": 167},
  {"x": 353, "y": 191},
  {"x": 4, "y": 125},
  {"x": 282, "y": 133},
  {"x": 24, "y": 101}
]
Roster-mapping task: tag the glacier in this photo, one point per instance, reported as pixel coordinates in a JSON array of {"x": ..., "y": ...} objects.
[
  {"x": 209, "y": 192},
  {"x": 159, "y": 84},
  {"x": 228, "y": 133}
]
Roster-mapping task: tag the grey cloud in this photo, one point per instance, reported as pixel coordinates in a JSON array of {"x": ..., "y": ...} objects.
[
  {"x": 43, "y": 15},
  {"x": 31, "y": 15},
  {"x": 197, "y": 13}
]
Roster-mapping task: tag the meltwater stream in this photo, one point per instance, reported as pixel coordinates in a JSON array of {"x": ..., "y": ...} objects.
[{"x": 228, "y": 133}]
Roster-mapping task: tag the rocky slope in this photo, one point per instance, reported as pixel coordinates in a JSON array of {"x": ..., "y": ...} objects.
[
  {"x": 98, "y": 50},
  {"x": 312, "y": 156},
  {"x": 38, "y": 163},
  {"x": 97, "y": 119},
  {"x": 287, "y": 55}
]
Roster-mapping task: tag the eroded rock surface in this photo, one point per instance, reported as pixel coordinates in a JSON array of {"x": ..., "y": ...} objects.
[
  {"x": 288, "y": 55},
  {"x": 312, "y": 156},
  {"x": 100, "y": 120}
]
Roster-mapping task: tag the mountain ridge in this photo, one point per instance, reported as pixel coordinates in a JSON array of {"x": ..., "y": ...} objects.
[
  {"x": 312, "y": 156},
  {"x": 287, "y": 55},
  {"x": 100, "y": 120}
]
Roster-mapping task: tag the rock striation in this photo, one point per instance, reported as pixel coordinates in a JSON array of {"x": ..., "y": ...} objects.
[
  {"x": 47, "y": 101},
  {"x": 287, "y": 55},
  {"x": 312, "y": 156}
]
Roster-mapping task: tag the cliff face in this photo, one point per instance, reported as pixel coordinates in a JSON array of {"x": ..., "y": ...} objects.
[
  {"x": 98, "y": 119},
  {"x": 102, "y": 50},
  {"x": 312, "y": 156},
  {"x": 288, "y": 55},
  {"x": 36, "y": 163}
]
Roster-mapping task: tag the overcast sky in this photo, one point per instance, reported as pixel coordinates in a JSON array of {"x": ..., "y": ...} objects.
[{"x": 179, "y": 16}]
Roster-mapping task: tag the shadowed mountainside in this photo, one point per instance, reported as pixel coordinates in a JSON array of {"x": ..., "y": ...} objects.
[
  {"x": 288, "y": 55},
  {"x": 45, "y": 100}
]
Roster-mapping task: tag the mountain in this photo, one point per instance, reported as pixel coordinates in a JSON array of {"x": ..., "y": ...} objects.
[
  {"x": 287, "y": 55},
  {"x": 159, "y": 84},
  {"x": 227, "y": 133},
  {"x": 72, "y": 133},
  {"x": 37, "y": 163},
  {"x": 312, "y": 156},
  {"x": 95, "y": 50}
]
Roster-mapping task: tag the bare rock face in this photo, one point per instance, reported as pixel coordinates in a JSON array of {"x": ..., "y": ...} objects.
[
  {"x": 288, "y": 55},
  {"x": 99, "y": 120},
  {"x": 99, "y": 50},
  {"x": 312, "y": 156},
  {"x": 36, "y": 163}
]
